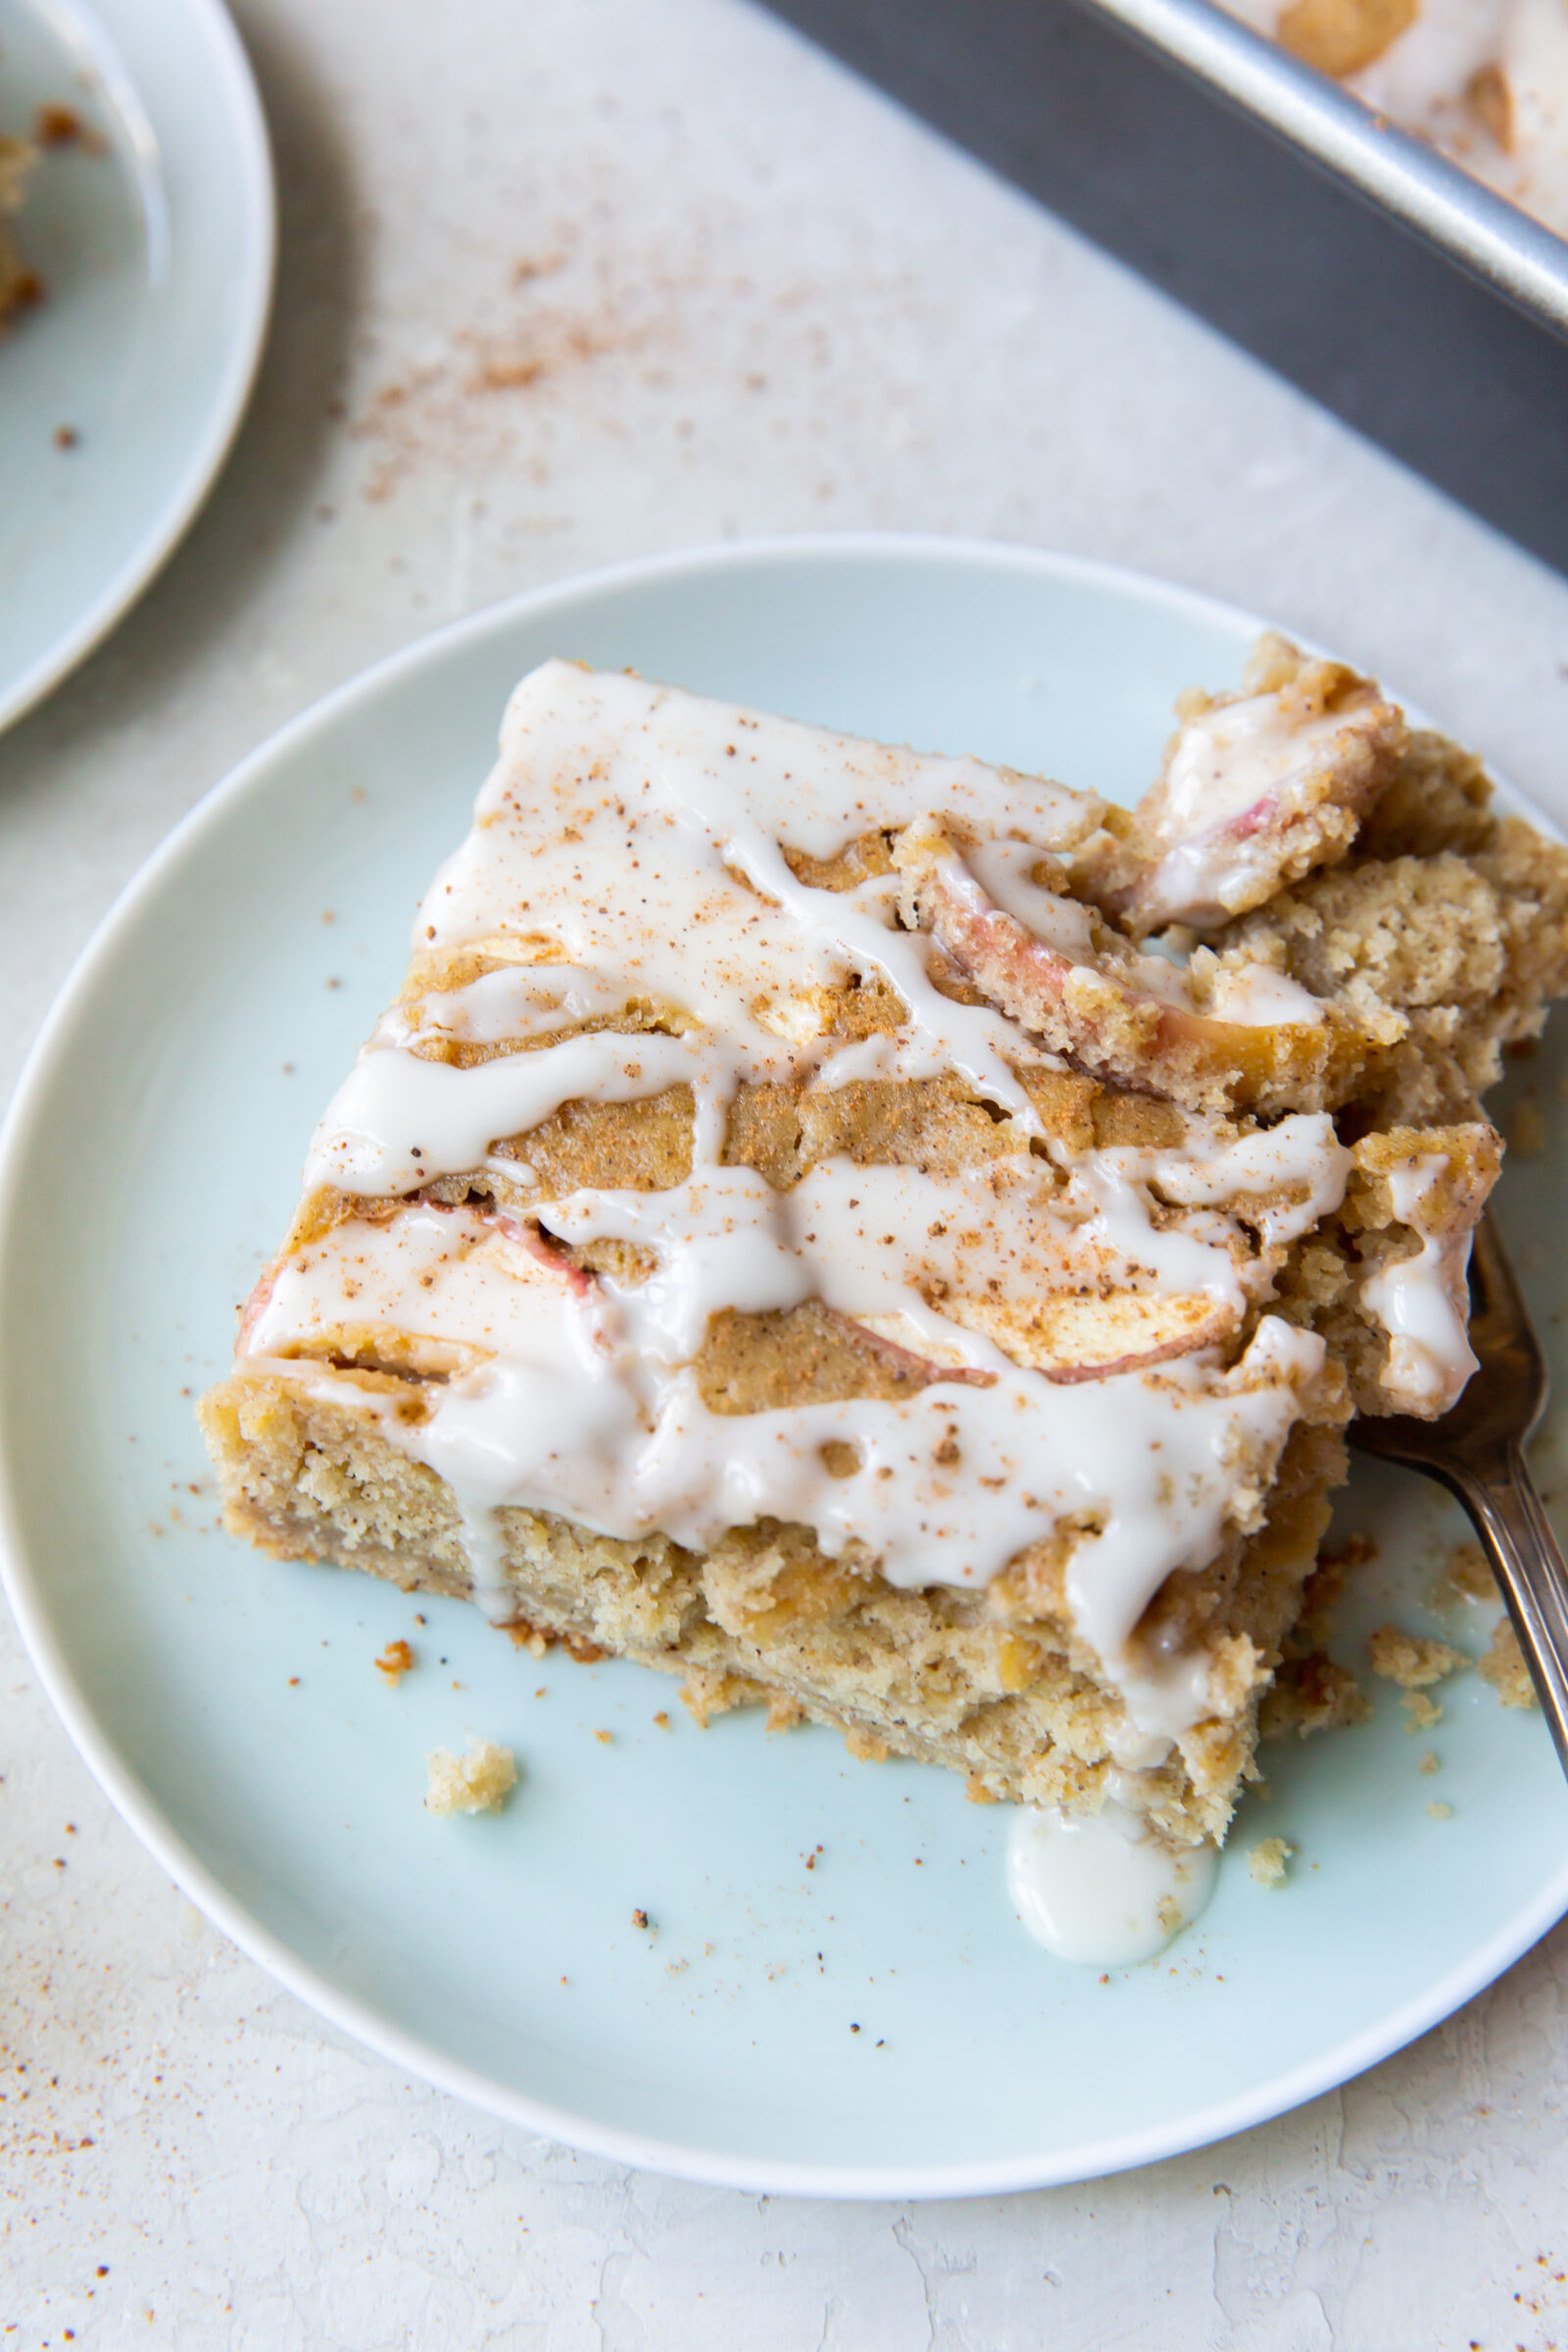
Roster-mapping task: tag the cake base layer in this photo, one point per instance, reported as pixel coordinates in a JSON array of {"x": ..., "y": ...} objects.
[{"x": 972, "y": 1680}]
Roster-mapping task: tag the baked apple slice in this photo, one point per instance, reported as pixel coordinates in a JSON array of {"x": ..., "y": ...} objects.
[
  {"x": 1256, "y": 790},
  {"x": 1260, "y": 1043}
]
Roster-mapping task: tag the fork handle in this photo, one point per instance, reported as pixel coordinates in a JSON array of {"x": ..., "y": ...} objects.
[{"x": 1511, "y": 1521}]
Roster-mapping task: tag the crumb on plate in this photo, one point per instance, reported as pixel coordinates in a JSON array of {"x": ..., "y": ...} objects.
[
  {"x": 1412, "y": 1660},
  {"x": 1504, "y": 1668},
  {"x": 1466, "y": 1575},
  {"x": 1313, "y": 1694},
  {"x": 479, "y": 1782},
  {"x": 1269, "y": 1861}
]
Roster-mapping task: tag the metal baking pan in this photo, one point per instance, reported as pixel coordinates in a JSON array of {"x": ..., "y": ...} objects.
[
  {"x": 1502, "y": 244},
  {"x": 1355, "y": 261},
  {"x": 981, "y": 68}
]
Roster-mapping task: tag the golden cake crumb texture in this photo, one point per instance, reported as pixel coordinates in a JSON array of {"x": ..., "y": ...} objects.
[
  {"x": 1269, "y": 1861},
  {"x": 1412, "y": 1660},
  {"x": 479, "y": 1781},
  {"x": 1504, "y": 1668},
  {"x": 1467, "y": 1576}
]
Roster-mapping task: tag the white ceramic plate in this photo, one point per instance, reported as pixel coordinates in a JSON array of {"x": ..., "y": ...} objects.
[
  {"x": 151, "y": 1165},
  {"x": 157, "y": 260}
]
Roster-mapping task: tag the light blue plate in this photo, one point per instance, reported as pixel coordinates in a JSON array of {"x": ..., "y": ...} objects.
[
  {"x": 156, "y": 262},
  {"x": 150, "y": 1168}
]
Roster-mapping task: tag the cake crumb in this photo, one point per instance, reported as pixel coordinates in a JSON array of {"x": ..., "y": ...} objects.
[
  {"x": 1429, "y": 1763},
  {"x": 479, "y": 1782},
  {"x": 1440, "y": 1811},
  {"x": 603, "y": 1738},
  {"x": 523, "y": 1636},
  {"x": 865, "y": 1746},
  {"x": 1313, "y": 1694},
  {"x": 639, "y": 1918},
  {"x": 395, "y": 1662},
  {"x": 1269, "y": 1861},
  {"x": 1466, "y": 1575},
  {"x": 1168, "y": 1912},
  {"x": 708, "y": 1692},
  {"x": 1412, "y": 1660},
  {"x": 1423, "y": 1711},
  {"x": 1504, "y": 1668},
  {"x": 662, "y": 1720},
  {"x": 1351, "y": 1551}
]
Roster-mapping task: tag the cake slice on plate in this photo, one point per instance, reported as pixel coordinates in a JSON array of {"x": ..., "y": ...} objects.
[{"x": 791, "y": 1231}]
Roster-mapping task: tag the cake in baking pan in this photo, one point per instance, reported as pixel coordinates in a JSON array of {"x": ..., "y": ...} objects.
[{"x": 1485, "y": 80}]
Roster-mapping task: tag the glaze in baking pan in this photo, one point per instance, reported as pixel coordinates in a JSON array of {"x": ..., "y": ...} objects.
[
  {"x": 1495, "y": 239},
  {"x": 1028, "y": 87}
]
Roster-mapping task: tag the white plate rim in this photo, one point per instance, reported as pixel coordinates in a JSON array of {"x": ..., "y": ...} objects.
[
  {"x": 256, "y": 275},
  {"x": 357, "y": 2020}
]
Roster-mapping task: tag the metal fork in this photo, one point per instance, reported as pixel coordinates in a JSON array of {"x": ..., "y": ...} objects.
[{"x": 1478, "y": 1451}]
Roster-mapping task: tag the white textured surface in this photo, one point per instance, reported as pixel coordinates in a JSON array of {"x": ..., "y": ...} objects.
[{"x": 750, "y": 298}]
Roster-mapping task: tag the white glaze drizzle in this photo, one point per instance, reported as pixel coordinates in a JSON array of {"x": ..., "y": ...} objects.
[
  {"x": 1229, "y": 759},
  {"x": 1423, "y": 1302},
  {"x": 1255, "y": 996},
  {"x": 1534, "y": 169},
  {"x": 1424, "y": 78},
  {"x": 373, "y": 1139},
  {"x": 1229, "y": 765},
  {"x": 1421, "y": 77},
  {"x": 1299, "y": 1168},
  {"x": 1103, "y": 1889},
  {"x": 631, "y": 828},
  {"x": 574, "y": 1403},
  {"x": 503, "y": 1005},
  {"x": 1003, "y": 873}
]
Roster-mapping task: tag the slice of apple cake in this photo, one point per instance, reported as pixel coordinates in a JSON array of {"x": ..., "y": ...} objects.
[{"x": 793, "y": 1229}]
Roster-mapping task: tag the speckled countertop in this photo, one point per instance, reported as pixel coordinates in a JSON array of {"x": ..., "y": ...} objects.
[{"x": 560, "y": 284}]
